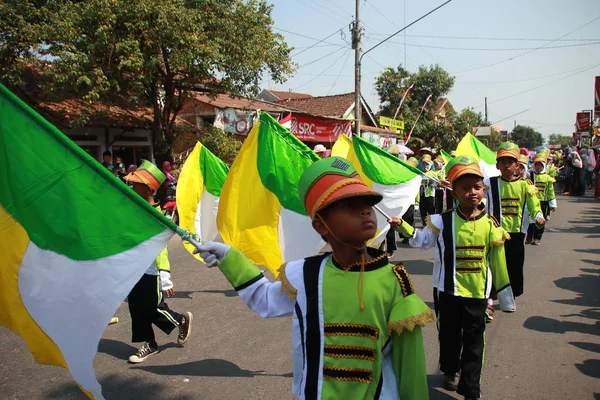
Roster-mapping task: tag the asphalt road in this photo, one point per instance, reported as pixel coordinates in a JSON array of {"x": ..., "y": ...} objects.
[{"x": 548, "y": 349}]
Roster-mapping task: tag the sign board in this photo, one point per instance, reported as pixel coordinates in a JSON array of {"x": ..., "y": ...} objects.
[
  {"x": 394, "y": 124},
  {"x": 504, "y": 136},
  {"x": 597, "y": 98},
  {"x": 583, "y": 121},
  {"x": 483, "y": 131},
  {"x": 315, "y": 129},
  {"x": 234, "y": 121}
]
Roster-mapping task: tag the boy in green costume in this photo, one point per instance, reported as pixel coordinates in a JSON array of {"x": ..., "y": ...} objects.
[
  {"x": 356, "y": 320},
  {"x": 469, "y": 257},
  {"x": 544, "y": 184}
]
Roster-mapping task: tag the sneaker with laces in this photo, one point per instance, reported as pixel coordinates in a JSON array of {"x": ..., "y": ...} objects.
[
  {"x": 536, "y": 242},
  {"x": 144, "y": 352},
  {"x": 185, "y": 328},
  {"x": 489, "y": 314}
]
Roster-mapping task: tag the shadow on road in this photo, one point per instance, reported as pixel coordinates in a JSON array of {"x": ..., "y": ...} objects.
[
  {"x": 122, "y": 350},
  {"x": 435, "y": 382},
  {"x": 209, "y": 367},
  {"x": 419, "y": 267},
  {"x": 226, "y": 292},
  {"x": 116, "y": 387}
]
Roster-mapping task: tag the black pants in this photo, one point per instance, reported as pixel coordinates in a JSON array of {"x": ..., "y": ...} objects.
[
  {"x": 514, "y": 250},
  {"x": 390, "y": 241},
  {"x": 147, "y": 307},
  {"x": 439, "y": 201},
  {"x": 426, "y": 207},
  {"x": 578, "y": 187},
  {"x": 533, "y": 231},
  {"x": 462, "y": 340},
  {"x": 449, "y": 200}
]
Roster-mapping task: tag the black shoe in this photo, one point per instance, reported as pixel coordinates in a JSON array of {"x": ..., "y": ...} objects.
[
  {"x": 405, "y": 241},
  {"x": 451, "y": 382},
  {"x": 390, "y": 254},
  {"x": 144, "y": 352},
  {"x": 185, "y": 328}
]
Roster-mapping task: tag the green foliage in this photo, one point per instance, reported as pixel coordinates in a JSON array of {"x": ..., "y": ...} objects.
[
  {"x": 526, "y": 136},
  {"x": 150, "y": 51},
  {"x": 562, "y": 140},
  {"x": 223, "y": 144}
]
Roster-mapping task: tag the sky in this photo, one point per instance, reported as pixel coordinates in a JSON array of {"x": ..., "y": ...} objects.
[{"x": 533, "y": 58}]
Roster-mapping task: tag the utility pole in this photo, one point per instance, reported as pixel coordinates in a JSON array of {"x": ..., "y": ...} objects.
[
  {"x": 356, "y": 46},
  {"x": 486, "y": 114}
]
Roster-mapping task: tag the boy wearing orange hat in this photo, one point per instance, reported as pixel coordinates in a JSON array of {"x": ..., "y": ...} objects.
[
  {"x": 506, "y": 199},
  {"x": 544, "y": 184},
  {"x": 469, "y": 258},
  {"x": 356, "y": 320},
  {"x": 146, "y": 303}
]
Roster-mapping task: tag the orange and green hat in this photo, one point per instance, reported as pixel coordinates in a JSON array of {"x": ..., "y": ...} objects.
[
  {"x": 413, "y": 161},
  {"x": 540, "y": 157},
  {"x": 439, "y": 160},
  {"x": 508, "y": 149},
  {"x": 426, "y": 158},
  {"x": 453, "y": 153},
  {"x": 523, "y": 159},
  {"x": 330, "y": 180},
  {"x": 462, "y": 165},
  {"x": 147, "y": 174}
]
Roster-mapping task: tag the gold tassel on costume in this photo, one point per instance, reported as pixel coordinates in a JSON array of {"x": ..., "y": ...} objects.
[{"x": 361, "y": 281}]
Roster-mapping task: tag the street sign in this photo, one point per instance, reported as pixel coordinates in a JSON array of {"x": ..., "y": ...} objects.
[{"x": 387, "y": 121}]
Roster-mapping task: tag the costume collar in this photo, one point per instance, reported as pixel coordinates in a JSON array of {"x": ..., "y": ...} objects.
[
  {"x": 379, "y": 260},
  {"x": 506, "y": 180},
  {"x": 462, "y": 216}
]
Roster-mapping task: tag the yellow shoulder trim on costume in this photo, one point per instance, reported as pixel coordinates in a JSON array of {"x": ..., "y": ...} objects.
[
  {"x": 494, "y": 220},
  {"x": 531, "y": 190},
  {"x": 431, "y": 225},
  {"x": 285, "y": 283},
  {"x": 409, "y": 323},
  {"x": 404, "y": 280},
  {"x": 499, "y": 242},
  {"x": 529, "y": 181}
]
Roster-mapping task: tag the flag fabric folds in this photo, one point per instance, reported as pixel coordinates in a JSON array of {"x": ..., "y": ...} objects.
[
  {"x": 73, "y": 242},
  {"x": 260, "y": 212},
  {"x": 397, "y": 181},
  {"x": 198, "y": 192},
  {"x": 471, "y": 146}
]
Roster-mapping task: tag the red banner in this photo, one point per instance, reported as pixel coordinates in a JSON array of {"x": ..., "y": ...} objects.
[
  {"x": 315, "y": 129},
  {"x": 597, "y": 98},
  {"x": 583, "y": 121}
]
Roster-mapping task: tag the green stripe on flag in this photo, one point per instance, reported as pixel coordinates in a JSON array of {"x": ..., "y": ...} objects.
[
  {"x": 381, "y": 166},
  {"x": 482, "y": 150},
  {"x": 214, "y": 171},
  {"x": 282, "y": 158},
  {"x": 66, "y": 201}
]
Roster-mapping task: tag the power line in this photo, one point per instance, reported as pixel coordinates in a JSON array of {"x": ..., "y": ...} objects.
[
  {"x": 529, "y": 51},
  {"x": 325, "y": 70},
  {"x": 502, "y": 49},
  {"x": 320, "y": 41},
  {"x": 308, "y": 37},
  {"x": 331, "y": 15},
  {"x": 540, "y": 86},
  {"x": 322, "y": 58},
  {"x": 525, "y": 80},
  {"x": 496, "y": 38},
  {"x": 340, "y": 73}
]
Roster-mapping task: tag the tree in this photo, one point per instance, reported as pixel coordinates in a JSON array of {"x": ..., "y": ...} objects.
[
  {"x": 151, "y": 51},
  {"x": 526, "y": 136},
  {"x": 223, "y": 144},
  {"x": 562, "y": 140}
]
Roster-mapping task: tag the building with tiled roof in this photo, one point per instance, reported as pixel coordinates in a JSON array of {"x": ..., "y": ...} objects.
[{"x": 277, "y": 95}]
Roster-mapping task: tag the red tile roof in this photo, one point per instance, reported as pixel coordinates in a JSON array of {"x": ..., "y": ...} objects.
[
  {"x": 285, "y": 95},
  {"x": 325, "y": 106},
  {"x": 226, "y": 101}
]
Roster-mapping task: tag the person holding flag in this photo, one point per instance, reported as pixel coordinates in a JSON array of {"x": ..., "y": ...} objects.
[
  {"x": 544, "y": 184},
  {"x": 356, "y": 319},
  {"x": 427, "y": 194}
]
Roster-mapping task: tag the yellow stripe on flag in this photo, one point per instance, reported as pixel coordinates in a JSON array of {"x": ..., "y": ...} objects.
[
  {"x": 188, "y": 200},
  {"x": 13, "y": 313},
  {"x": 254, "y": 233},
  {"x": 343, "y": 147}
]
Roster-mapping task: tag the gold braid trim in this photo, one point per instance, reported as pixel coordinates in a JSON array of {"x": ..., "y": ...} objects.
[
  {"x": 496, "y": 243},
  {"x": 431, "y": 225},
  {"x": 409, "y": 323},
  {"x": 286, "y": 286}
]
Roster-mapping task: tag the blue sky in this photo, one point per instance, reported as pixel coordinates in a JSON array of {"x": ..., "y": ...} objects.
[{"x": 464, "y": 37}]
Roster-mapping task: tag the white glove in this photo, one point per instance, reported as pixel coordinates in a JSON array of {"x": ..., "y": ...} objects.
[
  {"x": 165, "y": 281},
  {"x": 212, "y": 252}
]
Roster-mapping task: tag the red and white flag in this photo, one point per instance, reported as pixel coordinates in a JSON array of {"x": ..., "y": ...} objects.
[
  {"x": 403, "y": 98},
  {"x": 417, "y": 120}
]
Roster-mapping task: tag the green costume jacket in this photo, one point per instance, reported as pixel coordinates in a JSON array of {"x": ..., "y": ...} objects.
[
  {"x": 544, "y": 184},
  {"x": 339, "y": 351}
]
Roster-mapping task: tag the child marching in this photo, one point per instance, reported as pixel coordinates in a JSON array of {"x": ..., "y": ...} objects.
[
  {"x": 544, "y": 184},
  {"x": 469, "y": 259},
  {"x": 356, "y": 320}
]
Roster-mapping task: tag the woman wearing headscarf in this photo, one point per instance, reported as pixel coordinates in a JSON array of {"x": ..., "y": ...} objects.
[
  {"x": 578, "y": 188},
  {"x": 589, "y": 166}
]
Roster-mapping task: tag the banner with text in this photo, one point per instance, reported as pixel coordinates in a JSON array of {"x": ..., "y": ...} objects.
[
  {"x": 583, "y": 121},
  {"x": 597, "y": 98},
  {"x": 315, "y": 129},
  {"x": 234, "y": 121}
]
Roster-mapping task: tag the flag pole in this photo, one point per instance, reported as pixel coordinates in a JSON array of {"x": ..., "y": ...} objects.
[{"x": 417, "y": 120}]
